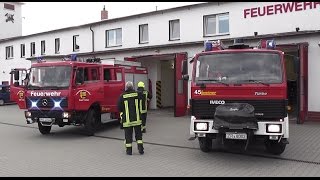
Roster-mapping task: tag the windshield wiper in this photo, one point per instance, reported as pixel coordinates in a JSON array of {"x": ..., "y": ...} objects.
[
  {"x": 214, "y": 80},
  {"x": 54, "y": 87},
  {"x": 257, "y": 81},
  {"x": 33, "y": 87}
]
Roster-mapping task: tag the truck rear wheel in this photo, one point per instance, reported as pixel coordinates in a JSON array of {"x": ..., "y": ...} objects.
[
  {"x": 44, "y": 129},
  {"x": 90, "y": 123},
  {"x": 205, "y": 144},
  {"x": 274, "y": 147}
]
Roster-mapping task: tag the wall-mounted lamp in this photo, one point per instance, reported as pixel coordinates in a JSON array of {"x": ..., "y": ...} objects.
[
  {"x": 255, "y": 33},
  {"x": 297, "y": 29}
]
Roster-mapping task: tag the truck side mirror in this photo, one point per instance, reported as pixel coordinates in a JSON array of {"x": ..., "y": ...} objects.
[
  {"x": 296, "y": 64},
  {"x": 185, "y": 77},
  {"x": 16, "y": 75},
  {"x": 184, "y": 67}
]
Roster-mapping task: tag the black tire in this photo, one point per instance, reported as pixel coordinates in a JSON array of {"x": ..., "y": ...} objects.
[
  {"x": 90, "y": 123},
  {"x": 274, "y": 147},
  {"x": 205, "y": 144},
  {"x": 44, "y": 129}
]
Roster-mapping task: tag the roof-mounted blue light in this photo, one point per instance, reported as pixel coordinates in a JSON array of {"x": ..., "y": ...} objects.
[
  {"x": 73, "y": 57},
  {"x": 271, "y": 44}
]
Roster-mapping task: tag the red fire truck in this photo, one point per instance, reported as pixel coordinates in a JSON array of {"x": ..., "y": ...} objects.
[
  {"x": 71, "y": 92},
  {"x": 239, "y": 94}
]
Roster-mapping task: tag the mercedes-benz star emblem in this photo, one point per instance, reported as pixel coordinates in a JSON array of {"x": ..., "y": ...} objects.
[{"x": 44, "y": 102}]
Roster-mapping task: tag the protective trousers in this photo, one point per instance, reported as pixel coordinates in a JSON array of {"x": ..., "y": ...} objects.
[
  {"x": 128, "y": 131},
  {"x": 144, "y": 120}
]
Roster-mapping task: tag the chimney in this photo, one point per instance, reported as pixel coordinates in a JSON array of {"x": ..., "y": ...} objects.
[{"x": 104, "y": 13}]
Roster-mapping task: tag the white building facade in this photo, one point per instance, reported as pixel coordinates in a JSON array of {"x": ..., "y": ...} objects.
[
  {"x": 155, "y": 38},
  {"x": 10, "y": 19}
]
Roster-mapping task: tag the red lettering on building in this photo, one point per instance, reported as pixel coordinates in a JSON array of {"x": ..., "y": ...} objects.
[
  {"x": 315, "y": 4},
  {"x": 305, "y": 4},
  {"x": 246, "y": 12},
  {"x": 298, "y": 6},
  {"x": 279, "y": 8},
  {"x": 254, "y": 12},
  {"x": 269, "y": 10}
]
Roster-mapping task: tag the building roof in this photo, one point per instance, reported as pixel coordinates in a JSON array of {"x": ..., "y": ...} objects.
[{"x": 112, "y": 20}]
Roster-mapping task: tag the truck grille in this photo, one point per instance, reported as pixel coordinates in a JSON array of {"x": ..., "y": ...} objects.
[
  {"x": 46, "y": 102},
  {"x": 264, "y": 109}
]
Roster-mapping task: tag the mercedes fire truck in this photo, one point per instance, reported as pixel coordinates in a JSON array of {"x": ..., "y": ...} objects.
[
  {"x": 71, "y": 92},
  {"x": 239, "y": 93}
]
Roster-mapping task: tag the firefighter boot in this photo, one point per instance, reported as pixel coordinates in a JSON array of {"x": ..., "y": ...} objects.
[
  {"x": 129, "y": 150},
  {"x": 141, "y": 149}
]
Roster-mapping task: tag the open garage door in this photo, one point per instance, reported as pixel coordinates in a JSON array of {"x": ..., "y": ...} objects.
[{"x": 180, "y": 87}]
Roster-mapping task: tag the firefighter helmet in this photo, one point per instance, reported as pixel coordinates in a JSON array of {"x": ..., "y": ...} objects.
[{"x": 141, "y": 84}]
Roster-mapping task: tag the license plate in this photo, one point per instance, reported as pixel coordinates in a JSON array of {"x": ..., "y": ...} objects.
[
  {"x": 236, "y": 136},
  {"x": 45, "y": 119}
]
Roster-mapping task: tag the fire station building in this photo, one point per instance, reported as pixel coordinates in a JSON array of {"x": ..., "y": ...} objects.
[{"x": 161, "y": 40}]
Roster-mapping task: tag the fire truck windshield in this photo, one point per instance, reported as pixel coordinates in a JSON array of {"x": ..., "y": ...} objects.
[
  {"x": 57, "y": 77},
  {"x": 237, "y": 68}
]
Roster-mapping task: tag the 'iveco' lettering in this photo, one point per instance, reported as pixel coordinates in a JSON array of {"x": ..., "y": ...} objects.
[
  {"x": 217, "y": 102},
  {"x": 43, "y": 93}
]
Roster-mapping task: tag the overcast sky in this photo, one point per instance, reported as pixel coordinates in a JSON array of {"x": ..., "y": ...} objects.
[{"x": 44, "y": 16}]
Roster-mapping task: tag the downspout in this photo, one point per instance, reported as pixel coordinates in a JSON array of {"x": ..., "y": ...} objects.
[{"x": 92, "y": 38}]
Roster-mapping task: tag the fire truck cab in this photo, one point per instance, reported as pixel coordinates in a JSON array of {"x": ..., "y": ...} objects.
[
  {"x": 239, "y": 93},
  {"x": 71, "y": 92}
]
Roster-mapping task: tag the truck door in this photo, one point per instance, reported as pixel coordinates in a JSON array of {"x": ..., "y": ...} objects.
[
  {"x": 18, "y": 84},
  {"x": 113, "y": 85},
  {"x": 303, "y": 83},
  {"x": 88, "y": 87},
  {"x": 180, "y": 87}
]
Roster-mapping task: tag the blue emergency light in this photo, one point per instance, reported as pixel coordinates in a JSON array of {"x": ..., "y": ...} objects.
[
  {"x": 207, "y": 46},
  {"x": 73, "y": 57},
  {"x": 271, "y": 44}
]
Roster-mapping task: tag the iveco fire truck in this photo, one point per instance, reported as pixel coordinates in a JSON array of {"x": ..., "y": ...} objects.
[
  {"x": 72, "y": 92},
  {"x": 239, "y": 93}
]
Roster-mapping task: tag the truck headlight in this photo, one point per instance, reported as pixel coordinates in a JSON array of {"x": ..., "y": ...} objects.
[
  {"x": 201, "y": 126},
  {"x": 65, "y": 115},
  {"x": 27, "y": 114},
  {"x": 274, "y": 128}
]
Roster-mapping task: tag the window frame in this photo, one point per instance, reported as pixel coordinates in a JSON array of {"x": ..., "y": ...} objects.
[
  {"x": 75, "y": 38},
  {"x": 216, "y": 16},
  {"x": 140, "y": 34},
  {"x": 33, "y": 49},
  {"x": 171, "y": 30},
  {"x": 57, "y": 50},
  {"x": 9, "y": 52},
  {"x": 23, "y": 49},
  {"x": 115, "y": 37},
  {"x": 43, "y": 47}
]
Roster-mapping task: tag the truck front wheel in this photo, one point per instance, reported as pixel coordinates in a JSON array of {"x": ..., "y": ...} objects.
[
  {"x": 205, "y": 144},
  {"x": 44, "y": 129},
  {"x": 274, "y": 147}
]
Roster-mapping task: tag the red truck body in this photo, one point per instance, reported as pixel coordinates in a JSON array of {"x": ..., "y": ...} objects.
[{"x": 71, "y": 92}]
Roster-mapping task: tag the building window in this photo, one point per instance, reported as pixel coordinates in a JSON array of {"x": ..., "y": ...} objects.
[
  {"x": 9, "y": 52},
  {"x": 23, "y": 50},
  {"x": 57, "y": 45},
  {"x": 33, "y": 49},
  {"x": 114, "y": 37},
  {"x": 216, "y": 24},
  {"x": 76, "y": 46},
  {"x": 174, "y": 29},
  {"x": 143, "y": 34},
  {"x": 43, "y": 47},
  {"x": 8, "y": 6}
]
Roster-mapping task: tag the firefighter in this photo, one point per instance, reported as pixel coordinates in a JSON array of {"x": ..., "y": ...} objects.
[
  {"x": 129, "y": 109},
  {"x": 145, "y": 96}
]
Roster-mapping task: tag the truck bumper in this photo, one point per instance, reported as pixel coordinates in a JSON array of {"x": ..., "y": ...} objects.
[
  {"x": 47, "y": 118},
  {"x": 261, "y": 131}
]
